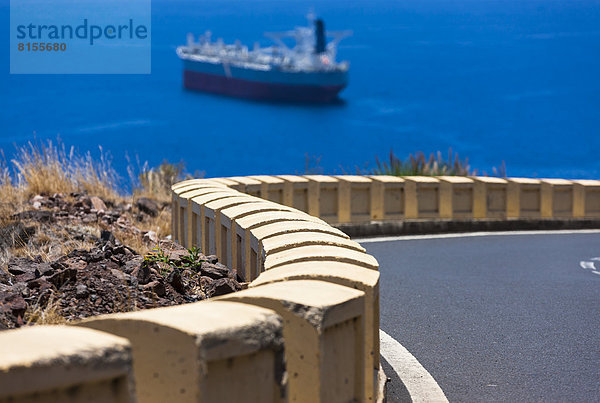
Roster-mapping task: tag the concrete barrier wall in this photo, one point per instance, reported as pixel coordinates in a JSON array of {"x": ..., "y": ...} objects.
[
  {"x": 355, "y": 199},
  {"x": 203, "y": 352},
  {"x": 64, "y": 364},
  {"x": 286, "y": 237},
  {"x": 306, "y": 329}
]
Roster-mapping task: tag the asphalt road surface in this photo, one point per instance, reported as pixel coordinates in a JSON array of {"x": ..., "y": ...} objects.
[{"x": 513, "y": 317}]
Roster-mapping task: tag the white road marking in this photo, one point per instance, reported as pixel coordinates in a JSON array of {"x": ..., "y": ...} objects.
[
  {"x": 473, "y": 234},
  {"x": 420, "y": 384},
  {"x": 596, "y": 272},
  {"x": 595, "y": 258},
  {"x": 587, "y": 265}
]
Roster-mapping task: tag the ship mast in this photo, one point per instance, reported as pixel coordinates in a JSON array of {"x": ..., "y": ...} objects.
[{"x": 311, "y": 48}]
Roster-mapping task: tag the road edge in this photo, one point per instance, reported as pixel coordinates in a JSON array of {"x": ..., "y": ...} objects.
[
  {"x": 443, "y": 226},
  {"x": 421, "y": 386}
]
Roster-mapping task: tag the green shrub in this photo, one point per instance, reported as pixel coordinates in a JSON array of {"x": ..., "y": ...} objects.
[{"x": 419, "y": 165}]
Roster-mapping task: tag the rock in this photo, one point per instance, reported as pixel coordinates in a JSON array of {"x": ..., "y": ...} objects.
[
  {"x": 39, "y": 283},
  {"x": 222, "y": 286},
  {"x": 81, "y": 291},
  {"x": 121, "y": 276},
  {"x": 44, "y": 269},
  {"x": 25, "y": 277},
  {"x": 34, "y": 268},
  {"x": 123, "y": 222},
  {"x": 177, "y": 255},
  {"x": 214, "y": 271},
  {"x": 226, "y": 286},
  {"x": 238, "y": 277},
  {"x": 98, "y": 203},
  {"x": 118, "y": 251},
  {"x": 175, "y": 280},
  {"x": 18, "y": 286},
  {"x": 147, "y": 206},
  {"x": 150, "y": 237},
  {"x": 20, "y": 265},
  {"x": 61, "y": 214},
  {"x": 89, "y": 218},
  {"x": 83, "y": 203},
  {"x": 4, "y": 277},
  {"x": 37, "y": 198},
  {"x": 132, "y": 264},
  {"x": 14, "y": 303},
  {"x": 110, "y": 277},
  {"x": 142, "y": 273},
  {"x": 42, "y": 216},
  {"x": 157, "y": 287},
  {"x": 107, "y": 236},
  {"x": 212, "y": 259},
  {"x": 73, "y": 262},
  {"x": 62, "y": 277},
  {"x": 15, "y": 234},
  {"x": 37, "y": 201}
]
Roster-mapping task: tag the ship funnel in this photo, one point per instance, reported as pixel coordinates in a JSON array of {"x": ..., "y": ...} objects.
[{"x": 319, "y": 36}]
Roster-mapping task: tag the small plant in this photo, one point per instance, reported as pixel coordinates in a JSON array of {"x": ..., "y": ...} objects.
[
  {"x": 435, "y": 165},
  {"x": 418, "y": 164},
  {"x": 157, "y": 255},
  {"x": 166, "y": 265},
  {"x": 193, "y": 259}
]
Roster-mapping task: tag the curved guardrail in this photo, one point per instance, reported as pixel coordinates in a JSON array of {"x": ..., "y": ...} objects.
[{"x": 306, "y": 329}]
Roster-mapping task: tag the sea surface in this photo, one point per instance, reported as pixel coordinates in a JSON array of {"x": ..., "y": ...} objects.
[{"x": 513, "y": 80}]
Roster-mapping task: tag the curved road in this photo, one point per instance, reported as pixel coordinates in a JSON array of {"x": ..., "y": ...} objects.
[{"x": 501, "y": 317}]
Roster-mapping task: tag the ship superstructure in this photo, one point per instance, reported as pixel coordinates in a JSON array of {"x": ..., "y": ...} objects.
[{"x": 307, "y": 71}]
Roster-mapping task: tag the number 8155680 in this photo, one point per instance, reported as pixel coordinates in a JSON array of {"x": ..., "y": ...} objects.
[{"x": 42, "y": 47}]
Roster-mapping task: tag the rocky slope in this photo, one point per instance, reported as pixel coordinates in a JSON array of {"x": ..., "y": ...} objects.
[{"x": 90, "y": 262}]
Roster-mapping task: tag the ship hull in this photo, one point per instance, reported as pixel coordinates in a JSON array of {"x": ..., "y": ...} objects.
[
  {"x": 266, "y": 85},
  {"x": 265, "y": 91}
]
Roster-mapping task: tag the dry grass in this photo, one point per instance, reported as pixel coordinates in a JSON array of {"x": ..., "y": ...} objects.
[
  {"x": 10, "y": 195},
  {"x": 45, "y": 315},
  {"x": 160, "y": 224},
  {"x": 156, "y": 182},
  {"x": 49, "y": 168}
]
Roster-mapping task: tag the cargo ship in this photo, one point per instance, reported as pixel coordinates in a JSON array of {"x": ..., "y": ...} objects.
[{"x": 304, "y": 72}]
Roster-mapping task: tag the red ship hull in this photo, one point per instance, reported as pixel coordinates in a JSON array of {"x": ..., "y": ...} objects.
[{"x": 236, "y": 87}]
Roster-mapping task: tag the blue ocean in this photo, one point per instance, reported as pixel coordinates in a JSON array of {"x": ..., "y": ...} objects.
[{"x": 514, "y": 81}]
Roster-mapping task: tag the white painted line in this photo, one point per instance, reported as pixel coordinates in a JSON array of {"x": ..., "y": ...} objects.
[
  {"x": 595, "y": 258},
  {"x": 472, "y": 234},
  {"x": 596, "y": 272},
  {"x": 420, "y": 384},
  {"x": 587, "y": 265}
]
